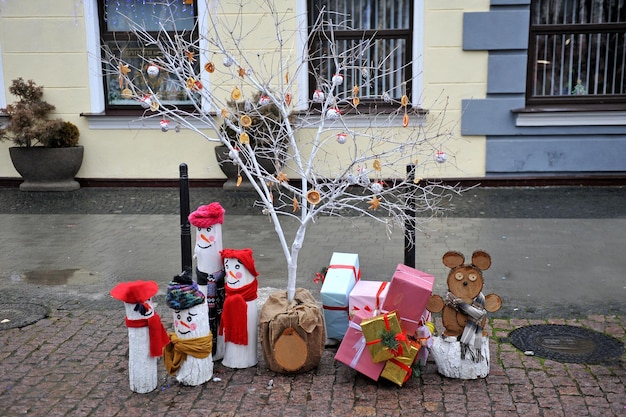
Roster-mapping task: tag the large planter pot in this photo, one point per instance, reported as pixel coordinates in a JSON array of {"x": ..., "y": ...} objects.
[
  {"x": 47, "y": 169},
  {"x": 232, "y": 173}
]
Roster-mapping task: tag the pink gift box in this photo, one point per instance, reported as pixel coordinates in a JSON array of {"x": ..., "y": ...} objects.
[
  {"x": 367, "y": 295},
  {"x": 408, "y": 293},
  {"x": 354, "y": 352}
]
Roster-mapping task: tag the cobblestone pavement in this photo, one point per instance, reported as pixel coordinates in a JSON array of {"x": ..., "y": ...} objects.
[{"x": 557, "y": 259}]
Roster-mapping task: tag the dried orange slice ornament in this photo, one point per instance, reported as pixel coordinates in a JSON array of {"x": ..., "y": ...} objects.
[
  {"x": 244, "y": 139},
  {"x": 236, "y": 93},
  {"x": 313, "y": 197},
  {"x": 127, "y": 93},
  {"x": 245, "y": 120},
  {"x": 377, "y": 165},
  {"x": 404, "y": 100},
  {"x": 355, "y": 101}
]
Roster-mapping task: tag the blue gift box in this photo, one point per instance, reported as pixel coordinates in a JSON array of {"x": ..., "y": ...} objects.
[{"x": 341, "y": 276}]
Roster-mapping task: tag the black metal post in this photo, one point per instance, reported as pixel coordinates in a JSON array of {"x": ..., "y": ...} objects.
[
  {"x": 409, "y": 225},
  {"x": 185, "y": 228}
]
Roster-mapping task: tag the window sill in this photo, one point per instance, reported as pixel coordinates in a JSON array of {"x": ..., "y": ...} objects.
[
  {"x": 535, "y": 117},
  {"x": 107, "y": 121}
]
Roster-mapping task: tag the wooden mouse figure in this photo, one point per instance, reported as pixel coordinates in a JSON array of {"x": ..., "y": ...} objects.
[{"x": 464, "y": 309}]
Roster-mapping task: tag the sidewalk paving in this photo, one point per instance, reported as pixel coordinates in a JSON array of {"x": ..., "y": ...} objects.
[{"x": 75, "y": 361}]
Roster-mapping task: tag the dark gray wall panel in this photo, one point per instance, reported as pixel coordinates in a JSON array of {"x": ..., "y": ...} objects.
[
  {"x": 556, "y": 154},
  {"x": 495, "y": 30},
  {"x": 507, "y": 73},
  {"x": 489, "y": 116}
]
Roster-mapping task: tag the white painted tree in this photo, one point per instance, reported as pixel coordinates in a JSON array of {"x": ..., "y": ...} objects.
[{"x": 333, "y": 152}]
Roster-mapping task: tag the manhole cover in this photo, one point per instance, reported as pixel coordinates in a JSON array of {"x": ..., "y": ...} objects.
[
  {"x": 567, "y": 343},
  {"x": 20, "y": 315}
]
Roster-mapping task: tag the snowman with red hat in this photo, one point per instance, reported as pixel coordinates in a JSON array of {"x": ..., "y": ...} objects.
[
  {"x": 189, "y": 353},
  {"x": 146, "y": 335},
  {"x": 240, "y": 317},
  {"x": 208, "y": 220}
]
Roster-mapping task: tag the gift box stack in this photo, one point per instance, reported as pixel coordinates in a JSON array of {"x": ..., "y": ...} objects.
[{"x": 385, "y": 325}]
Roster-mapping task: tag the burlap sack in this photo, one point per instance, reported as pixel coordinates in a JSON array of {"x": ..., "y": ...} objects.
[{"x": 304, "y": 315}]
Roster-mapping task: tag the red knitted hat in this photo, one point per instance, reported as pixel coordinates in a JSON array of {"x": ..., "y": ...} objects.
[
  {"x": 242, "y": 255},
  {"x": 207, "y": 216},
  {"x": 135, "y": 292}
]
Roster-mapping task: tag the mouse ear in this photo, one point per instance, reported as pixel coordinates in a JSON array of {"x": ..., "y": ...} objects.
[
  {"x": 481, "y": 260},
  {"x": 452, "y": 259}
]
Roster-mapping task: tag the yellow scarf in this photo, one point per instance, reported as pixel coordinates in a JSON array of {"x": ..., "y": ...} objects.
[{"x": 175, "y": 353}]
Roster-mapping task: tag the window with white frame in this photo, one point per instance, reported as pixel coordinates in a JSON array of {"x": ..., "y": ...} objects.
[
  {"x": 378, "y": 33},
  {"x": 117, "y": 18},
  {"x": 577, "y": 54}
]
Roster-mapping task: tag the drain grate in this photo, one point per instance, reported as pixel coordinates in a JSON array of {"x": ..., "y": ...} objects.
[
  {"x": 20, "y": 315},
  {"x": 569, "y": 344}
]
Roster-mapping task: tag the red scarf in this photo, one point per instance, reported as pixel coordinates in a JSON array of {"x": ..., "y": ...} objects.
[
  {"x": 235, "y": 314},
  {"x": 158, "y": 335}
]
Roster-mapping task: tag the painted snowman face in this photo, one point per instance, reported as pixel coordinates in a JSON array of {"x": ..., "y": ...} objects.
[
  {"x": 237, "y": 275},
  {"x": 191, "y": 322},
  {"x": 139, "y": 311},
  {"x": 208, "y": 247}
]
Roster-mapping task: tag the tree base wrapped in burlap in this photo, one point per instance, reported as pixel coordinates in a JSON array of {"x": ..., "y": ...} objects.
[{"x": 277, "y": 319}]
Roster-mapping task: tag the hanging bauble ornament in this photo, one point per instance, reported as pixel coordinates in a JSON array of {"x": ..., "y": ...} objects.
[
  {"x": 337, "y": 79},
  {"x": 177, "y": 128},
  {"x": 264, "y": 100},
  {"x": 441, "y": 157},
  {"x": 386, "y": 98},
  {"x": 145, "y": 101},
  {"x": 235, "y": 94},
  {"x": 351, "y": 179},
  {"x": 313, "y": 197},
  {"x": 227, "y": 61},
  {"x": 245, "y": 120},
  {"x": 197, "y": 85},
  {"x": 355, "y": 101},
  {"x": 127, "y": 93},
  {"x": 165, "y": 125},
  {"x": 153, "y": 71},
  {"x": 244, "y": 139},
  {"x": 190, "y": 83},
  {"x": 318, "y": 96},
  {"x": 405, "y": 120},
  {"x": 404, "y": 100},
  {"x": 209, "y": 67},
  {"x": 288, "y": 99},
  {"x": 333, "y": 113},
  {"x": 355, "y": 90},
  {"x": 341, "y": 138},
  {"x": 234, "y": 154},
  {"x": 376, "y": 187},
  {"x": 377, "y": 165}
]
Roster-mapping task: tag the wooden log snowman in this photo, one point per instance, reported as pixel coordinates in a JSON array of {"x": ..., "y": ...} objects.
[
  {"x": 146, "y": 335},
  {"x": 463, "y": 351},
  {"x": 188, "y": 356},
  {"x": 240, "y": 318},
  {"x": 208, "y": 220}
]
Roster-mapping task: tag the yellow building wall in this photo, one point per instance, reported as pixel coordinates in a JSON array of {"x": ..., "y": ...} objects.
[{"x": 45, "y": 41}]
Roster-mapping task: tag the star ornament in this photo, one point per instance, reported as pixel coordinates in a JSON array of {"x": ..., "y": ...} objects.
[
  {"x": 282, "y": 177},
  {"x": 374, "y": 203}
]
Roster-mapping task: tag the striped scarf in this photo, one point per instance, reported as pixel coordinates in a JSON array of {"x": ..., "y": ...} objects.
[{"x": 472, "y": 337}]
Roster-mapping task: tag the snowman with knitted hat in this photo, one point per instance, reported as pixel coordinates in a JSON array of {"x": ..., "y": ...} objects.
[
  {"x": 240, "y": 317},
  {"x": 146, "y": 334},
  {"x": 208, "y": 220},
  {"x": 188, "y": 356}
]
